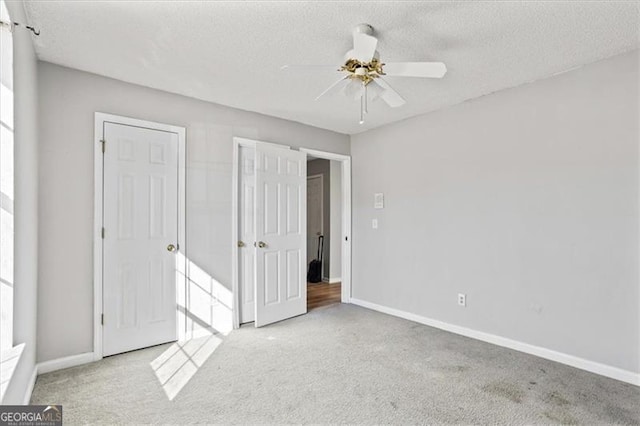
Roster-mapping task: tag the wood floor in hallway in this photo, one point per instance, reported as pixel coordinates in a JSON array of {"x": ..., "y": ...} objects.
[{"x": 322, "y": 294}]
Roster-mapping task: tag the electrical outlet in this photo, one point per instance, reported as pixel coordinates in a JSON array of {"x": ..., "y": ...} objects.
[{"x": 462, "y": 299}]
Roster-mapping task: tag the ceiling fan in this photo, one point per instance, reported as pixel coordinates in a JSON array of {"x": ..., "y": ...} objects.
[{"x": 361, "y": 74}]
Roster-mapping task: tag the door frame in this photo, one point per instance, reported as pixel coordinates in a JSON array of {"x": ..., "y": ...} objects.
[
  {"x": 98, "y": 212},
  {"x": 345, "y": 161},
  {"x": 346, "y": 218}
]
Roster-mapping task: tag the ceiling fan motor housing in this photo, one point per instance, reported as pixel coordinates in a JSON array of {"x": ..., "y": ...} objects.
[{"x": 363, "y": 71}]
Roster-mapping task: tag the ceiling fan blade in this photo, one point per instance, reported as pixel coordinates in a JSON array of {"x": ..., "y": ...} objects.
[
  {"x": 331, "y": 87},
  {"x": 364, "y": 47},
  {"x": 313, "y": 68},
  {"x": 390, "y": 96},
  {"x": 416, "y": 69}
]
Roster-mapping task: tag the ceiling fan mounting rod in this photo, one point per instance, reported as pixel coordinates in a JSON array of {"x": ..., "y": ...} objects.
[{"x": 363, "y": 29}]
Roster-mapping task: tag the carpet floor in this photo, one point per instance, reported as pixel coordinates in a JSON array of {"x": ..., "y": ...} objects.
[{"x": 337, "y": 364}]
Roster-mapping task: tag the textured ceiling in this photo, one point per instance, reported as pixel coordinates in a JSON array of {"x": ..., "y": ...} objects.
[{"x": 231, "y": 52}]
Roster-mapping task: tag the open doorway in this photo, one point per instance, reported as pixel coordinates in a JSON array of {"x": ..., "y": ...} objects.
[
  {"x": 253, "y": 163},
  {"x": 324, "y": 232}
]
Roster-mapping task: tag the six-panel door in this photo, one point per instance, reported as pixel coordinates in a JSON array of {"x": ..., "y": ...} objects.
[
  {"x": 280, "y": 227},
  {"x": 141, "y": 224}
]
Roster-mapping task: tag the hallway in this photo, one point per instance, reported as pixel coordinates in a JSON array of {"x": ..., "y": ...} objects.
[{"x": 322, "y": 294}]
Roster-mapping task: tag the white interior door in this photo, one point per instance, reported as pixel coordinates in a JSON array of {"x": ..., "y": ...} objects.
[
  {"x": 246, "y": 233},
  {"x": 315, "y": 215},
  {"x": 140, "y": 227},
  {"x": 280, "y": 224}
]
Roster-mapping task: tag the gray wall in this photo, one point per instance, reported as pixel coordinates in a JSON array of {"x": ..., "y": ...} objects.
[
  {"x": 322, "y": 167},
  {"x": 68, "y": 100},
  {"x": 526, "y": 200},
  {"x": 25, "y": 206}
]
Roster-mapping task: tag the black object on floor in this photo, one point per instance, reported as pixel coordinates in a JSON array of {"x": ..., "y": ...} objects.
[{"x": 314, "y": 275}]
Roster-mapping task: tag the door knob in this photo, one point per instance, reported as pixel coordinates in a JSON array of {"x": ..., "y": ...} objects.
[
  {"x": 240, "y": 243},
  {"x": 171, "y": 248},
  {"x": 262, "y": 244}
]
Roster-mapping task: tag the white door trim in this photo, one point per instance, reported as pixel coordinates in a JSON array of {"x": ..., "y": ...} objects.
[
  {"x": 100, "y": 119},
  {"x": 346, "y": 216},
  {"x": 235, "y": 286}
]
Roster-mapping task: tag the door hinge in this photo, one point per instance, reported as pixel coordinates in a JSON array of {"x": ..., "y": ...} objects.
[
  {"x": 103, "y": 233},
  {"x": 102, "y": 319},
  {"x": 104, "y": 143}
]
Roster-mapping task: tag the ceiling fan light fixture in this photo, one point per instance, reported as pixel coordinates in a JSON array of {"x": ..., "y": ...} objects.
[{"x": 363, "y": 71}]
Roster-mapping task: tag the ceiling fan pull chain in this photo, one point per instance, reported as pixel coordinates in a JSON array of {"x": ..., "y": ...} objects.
[{"x": 366, "y": 99}]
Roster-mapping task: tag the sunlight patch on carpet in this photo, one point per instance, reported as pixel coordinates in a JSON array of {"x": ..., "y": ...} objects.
[{"x": 181, "y": 361}]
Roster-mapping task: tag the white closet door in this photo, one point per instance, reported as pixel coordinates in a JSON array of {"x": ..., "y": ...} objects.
[
  {"x": 280, "y": 224},
  {"x": 141, "y": 230}
]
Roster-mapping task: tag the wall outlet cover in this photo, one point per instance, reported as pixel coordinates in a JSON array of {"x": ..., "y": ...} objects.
[{"x": 462, "y": 299}]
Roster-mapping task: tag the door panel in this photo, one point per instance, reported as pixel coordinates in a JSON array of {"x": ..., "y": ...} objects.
[
  {"x": 293, "y": 273},
  {"x": 281, "y": 286},
  {"x": 140, "y": 221}
]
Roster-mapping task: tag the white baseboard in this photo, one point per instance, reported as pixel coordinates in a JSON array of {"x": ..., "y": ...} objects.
[
  {"x": 573, "y": 361},
  {"x": 335, "y": 280},
  {"x": 54, "y": 365},
  {"x": 32, "y": 382},
  {"x": 66, "y": 362}
]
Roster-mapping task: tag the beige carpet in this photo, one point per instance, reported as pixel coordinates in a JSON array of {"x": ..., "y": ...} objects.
[{"x": 339, "y": 364}]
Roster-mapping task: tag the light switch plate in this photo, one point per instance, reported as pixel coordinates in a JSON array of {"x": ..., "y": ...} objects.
[
  {"x": 378, "y": 200},
  {"x": 374, "y": 223}
]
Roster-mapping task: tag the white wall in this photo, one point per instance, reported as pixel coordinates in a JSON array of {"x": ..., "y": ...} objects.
[
  {"x": 69, "y": 99},
  {"x": 25, "y": 86},
  {"x": 526, "y": 200},
  {"x": 335, "y": 252}
]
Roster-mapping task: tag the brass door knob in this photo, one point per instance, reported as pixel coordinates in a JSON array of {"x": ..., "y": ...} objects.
[
  {"x": 262, "y": 244},
  {"x": 240, "y": 243},
  {"x": 171, "y": 248}
]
